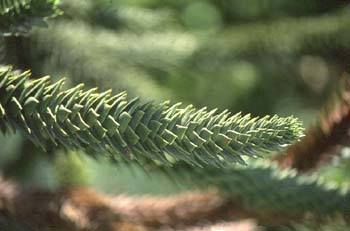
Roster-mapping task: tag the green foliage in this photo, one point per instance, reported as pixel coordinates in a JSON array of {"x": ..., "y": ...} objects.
[
  {"x": 152, "y": 53},
  {"x": 18, "y": 16},
  {"x": 130, "y": 46},
  {"x": 286, "y": 36},
  {"x": 339, "y": 168},
  {"x": 265, "y": 189},
  {"x": 335, "y": 224},
  {"x": 99, "y": 122},
  {"x": 70, "y": 169},
  {"x": 124, "y": 61}
]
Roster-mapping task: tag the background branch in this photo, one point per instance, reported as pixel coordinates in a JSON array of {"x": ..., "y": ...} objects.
[
  {"x": 82, "y": 209},
  {"x": 321, "y": 140}
]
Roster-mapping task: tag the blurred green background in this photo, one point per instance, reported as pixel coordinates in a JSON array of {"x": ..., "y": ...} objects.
[{"x": 255, "y": 56}]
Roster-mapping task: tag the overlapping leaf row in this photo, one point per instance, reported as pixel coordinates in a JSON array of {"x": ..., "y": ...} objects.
[
  {"x": 101, "y": 123},
  {"x": 18, "y": 16},
  {"x": 265, "y": 189}
]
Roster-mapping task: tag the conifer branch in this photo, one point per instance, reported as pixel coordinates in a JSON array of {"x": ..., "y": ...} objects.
[
  {"x": 319, "y": 34},
  {"x": 18, "y": 16},
  {"x": 83, "y": 209},
  {"x": 268, "y": 192},
  {"x": 101, "y": 123},
  {"x": 122, "y": 59}
]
